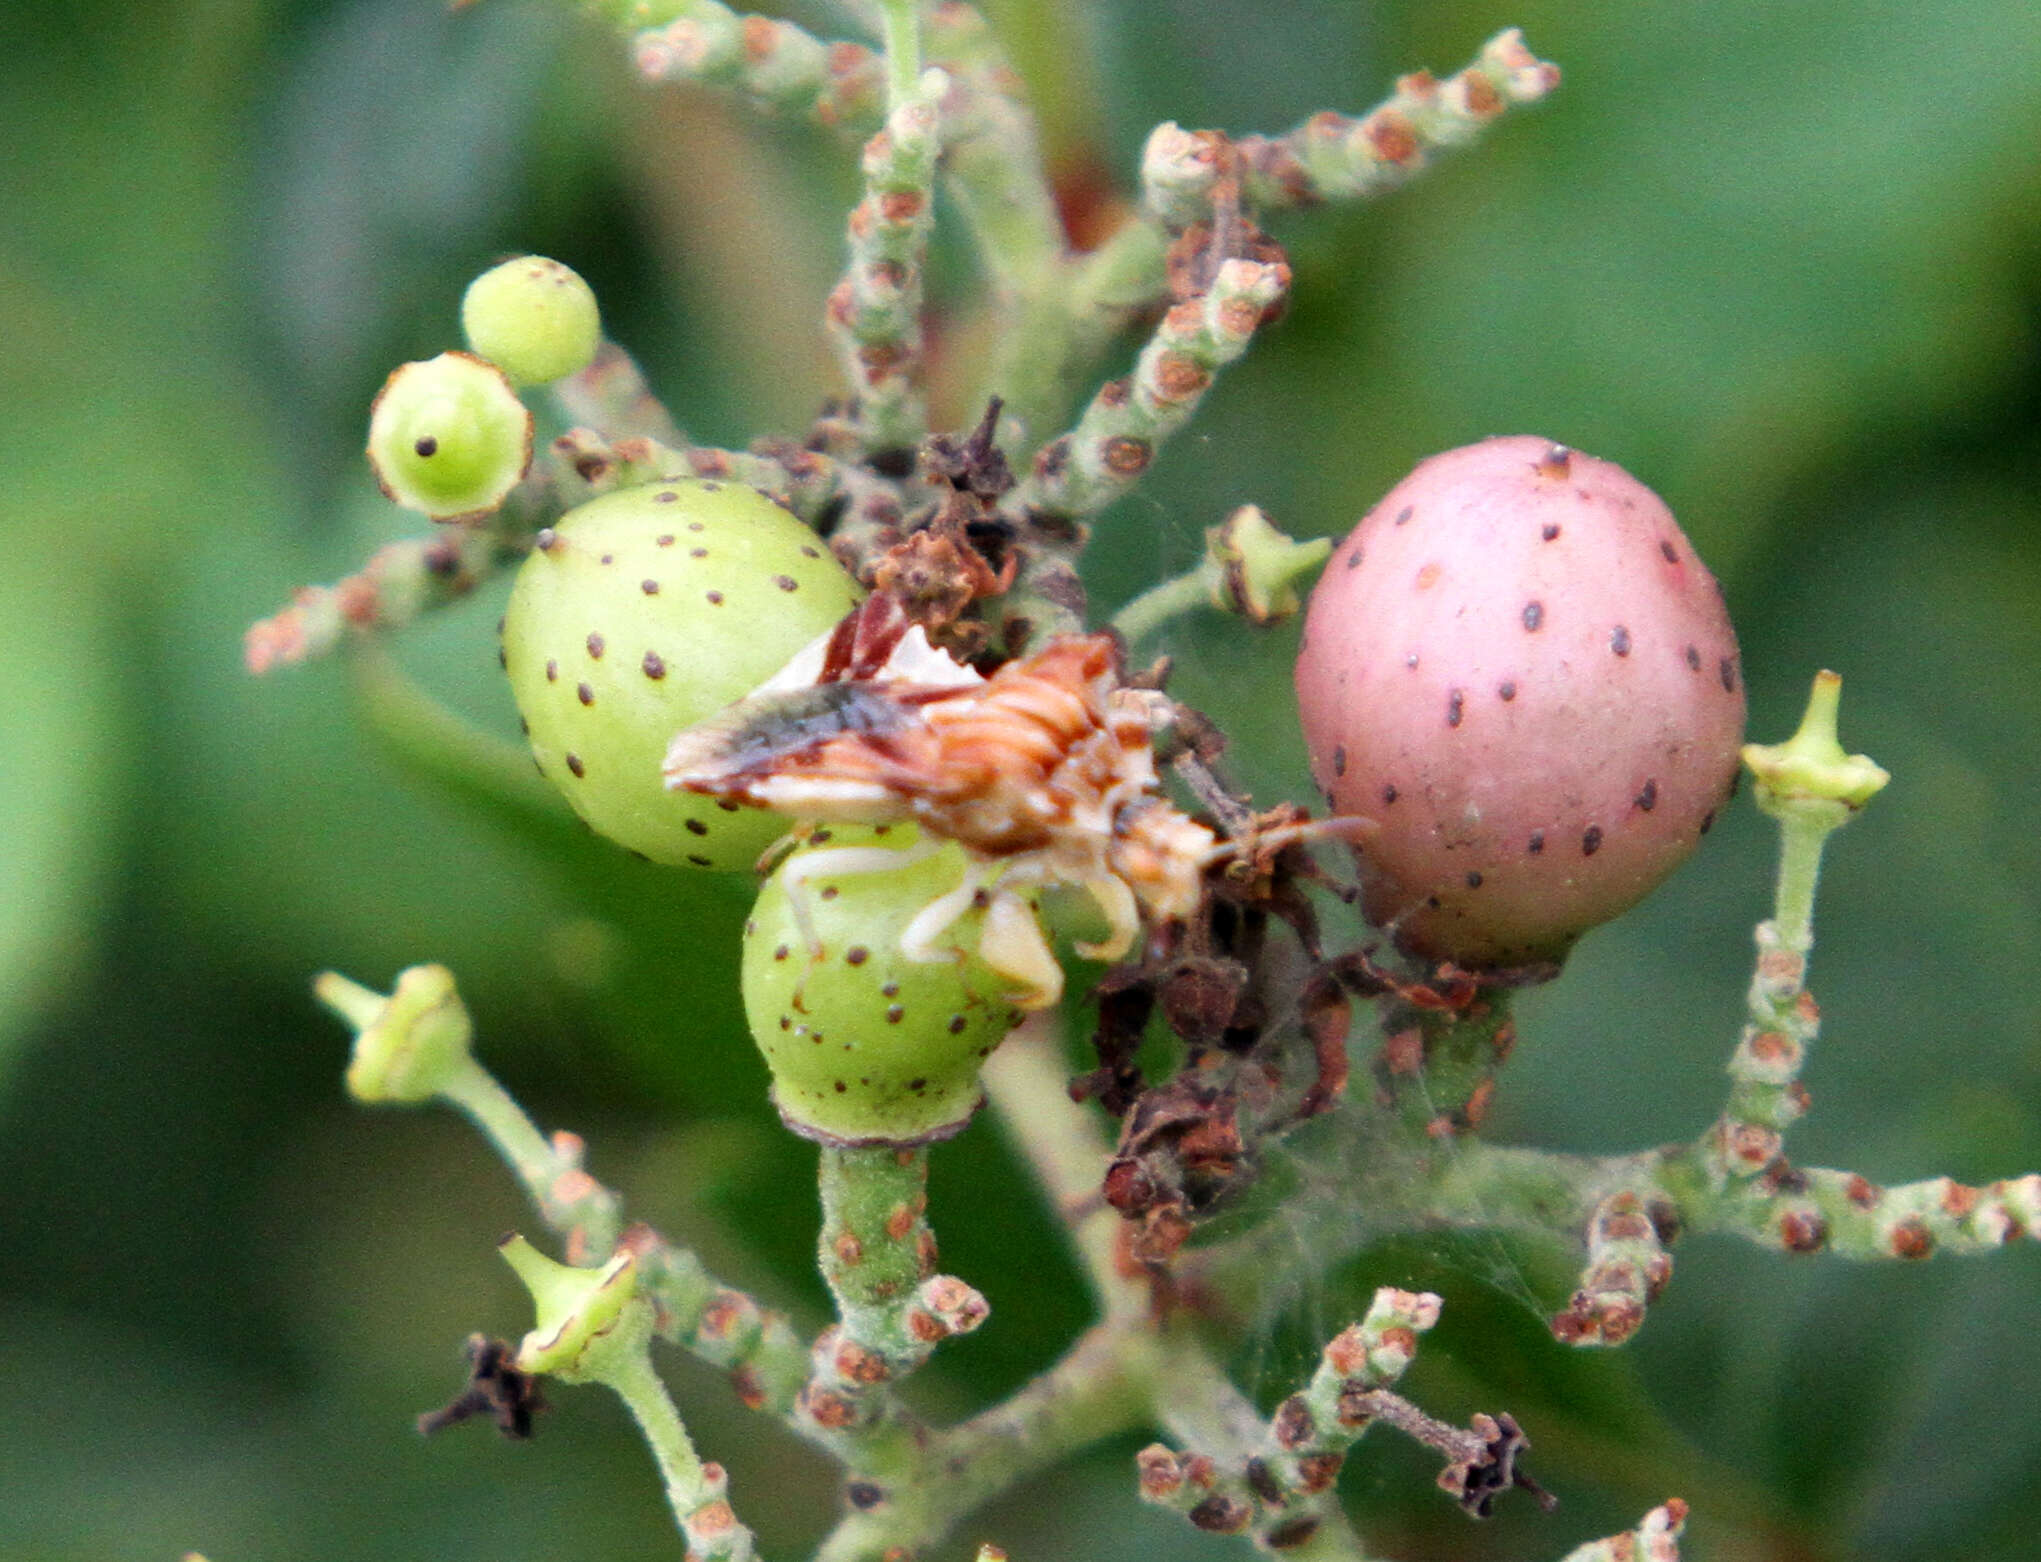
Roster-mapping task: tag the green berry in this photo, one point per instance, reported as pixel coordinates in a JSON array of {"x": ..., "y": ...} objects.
[
  {"x": 639, "y": 614},
  {"x": 533, "y": 318},
  {"x": 448, "y": 436},
  {"x": 865, "y": 1045}
]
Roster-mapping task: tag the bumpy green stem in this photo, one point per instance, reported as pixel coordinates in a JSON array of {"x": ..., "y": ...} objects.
[
  {"x": 400, "y": 583},
  {"x": 874, "y": 313},
  {"x": 1116, "y": 439},
  {"x": 1276, "y": 1484},
  {"x": 1333, "y": 157},
  {"x": 774, "y": 63},
  {"x": 696, "y": 1491},
  {"x": 1812, "y": 788},
  {"x": 613, "y": 395},
  {"x": 587, "y": 1215}
]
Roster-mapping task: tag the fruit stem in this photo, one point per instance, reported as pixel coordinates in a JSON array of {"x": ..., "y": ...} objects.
[
  {"x": 1444, "y": 1090},
  {"x": 875, "y": 1246},
  {"x": 1812, "y": 788},
  {"x": 903, "y": 50},
  {"x": 1249, "y": 569}
]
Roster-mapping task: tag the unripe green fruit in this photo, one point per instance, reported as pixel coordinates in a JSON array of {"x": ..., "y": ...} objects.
[
  {"x": 534, "y": 318},
  {"x": 865, "y": 1045},
  {"x": 448, "y": 436},
  {"x": 639, "y": 614}
]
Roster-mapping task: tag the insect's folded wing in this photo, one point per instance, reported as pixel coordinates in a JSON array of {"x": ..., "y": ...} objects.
[{"x": 847, "y": 751}]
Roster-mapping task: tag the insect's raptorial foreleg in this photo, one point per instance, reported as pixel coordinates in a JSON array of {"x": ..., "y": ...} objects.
[
  {"x": 1123, "y": 918},
  {"x": 918, "y": 938},
  {"x": 1014, "y": 945}
]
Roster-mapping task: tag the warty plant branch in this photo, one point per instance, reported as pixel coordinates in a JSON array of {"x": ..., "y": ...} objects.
[
  {"x": 1115, "y": 441},
  {"x": 776, "y": 65},
  {"x": 1334, "y": 156},
  {"x": 874, "y": 313}
]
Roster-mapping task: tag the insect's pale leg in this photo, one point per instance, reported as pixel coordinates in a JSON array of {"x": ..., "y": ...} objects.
[
  {"x": 1013, "y": 945},
  {"x": 1123, "y": 918}
]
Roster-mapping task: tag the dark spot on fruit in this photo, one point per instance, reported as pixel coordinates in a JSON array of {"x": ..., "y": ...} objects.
[
  {"x": 857, "y": 954},
  {"x": 786, "y": 583},
  {"x": 1534, "y": 615},
  {"x": 665, "y": 496},
  {"x": 649, "y": 587},
  {"x": 595, "y": 646},
  {"x": 1473, "y": 878},
  {"x": 1727, "y": 669},
  {"x": 1619, "y": 640},
  {"x": 780, "y": 953},
  {"x": 830, "y": 892},
  {"x": 545, "y": 539},
  {"x": 503, "y": 658},
  {"x": 820, "y": 836},
  {"x": 1506, "y": 691},
  {"x": 1707, "y": 821},
  {"x": 1428, "y": 577},
  {"x": 1666, "y": 548},
  {"x": 1693, "y": 659},
  {"x": 786, "y": 1022},
  {"x": 1454, "y": 706},
  {"x": 1648, "y": 798},
  {"x": 750, "y": 927},
  {"x": 609, "y": 558},
  {"x": 697, "y": 553},
  {"x": 1555, "y": 462},
  {"x": 574, "y": 764},
  {"x": 1433, "y": 902},
  {"x": 956, "y": 1025},
  {"x": 1389, "y": 794},
  {"x": 694, "y": 526},
  {"x": 712, "y": 488},
  {"x": 841, "y": 1087},
  {"x": 715, "y": 598},
  {"x": 552, "y": 671},
  {"x": 1353, "y": 559},
  {"x": 584, "y": 694},
  {"x": 663, "y": 540},
  {"x": 727, "y": 806},
  {"x": 809, "y": 553},
  {"x": 426, "y": 446},
  {"x": 1536, "y": 844},
  {"x": 698, "y": 860},
  {"x": 1339, "y": 759},
  {"x": 1549, "y": 531},
  {"x": 655, "y": 665},
  {"x": 524, "y": 726},
  {"x": 1591, "y": 841},
  {"x": 1404, "y": 514},
  {"x": 894, "y": 1014},
  {"x": 882, "y": 829},
  {"x": 696, "y": 827}
]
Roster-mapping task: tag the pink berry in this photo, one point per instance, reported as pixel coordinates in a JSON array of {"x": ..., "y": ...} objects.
[{"x": 1520, "y": 668}]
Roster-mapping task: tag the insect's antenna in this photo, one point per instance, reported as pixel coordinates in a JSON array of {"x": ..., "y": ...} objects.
[{"x": 1346, "y": 827}]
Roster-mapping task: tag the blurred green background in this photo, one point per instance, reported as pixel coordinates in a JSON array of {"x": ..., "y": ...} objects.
[{"x": 1782, "y": 261}]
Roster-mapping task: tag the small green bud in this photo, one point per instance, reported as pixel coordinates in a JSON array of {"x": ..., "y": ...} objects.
[
  {"x": 448, "y": 436},
  {"x": 1256, "y": 568},
  {"x": 589, "y": 1319},
  {"x": 868, "y": 1046},
  {"x": 1810, "y": 771},
  {"x": 534, "y": 318},
  {"x": 407, "y": 1046}
]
